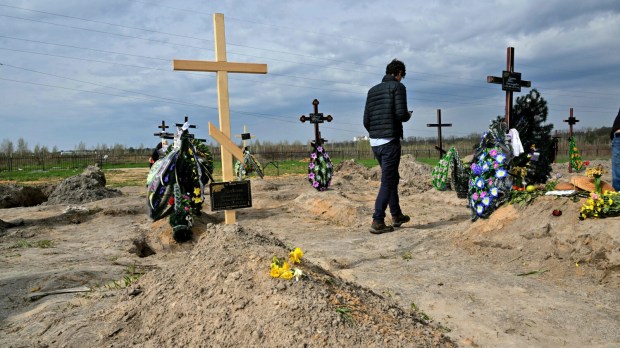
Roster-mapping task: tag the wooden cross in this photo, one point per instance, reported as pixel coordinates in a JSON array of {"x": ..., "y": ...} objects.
[
  {"x": 244, "y": 136},
  {"x": 179, "y": 125},
  {"x": 571, "y": 121},
  {"x": 439, "y": 125},
  {"x": 510, "y": 81},
  {"x": 163, "y": 134},
  {"x": 316, "y": 118},
  {"x": 221, "y": 67}
]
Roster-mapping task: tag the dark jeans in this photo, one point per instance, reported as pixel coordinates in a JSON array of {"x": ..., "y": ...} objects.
[
  {"x": 388, "y": 156},
  {"x": 615, "y": 162}
]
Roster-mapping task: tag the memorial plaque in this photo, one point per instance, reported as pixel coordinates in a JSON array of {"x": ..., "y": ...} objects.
[
  {"x": 316, "y": 118},
  {"x": 230, "y": 195},
  {"x": 511, "y": 81},
  {"x": 246, "y": 136}
]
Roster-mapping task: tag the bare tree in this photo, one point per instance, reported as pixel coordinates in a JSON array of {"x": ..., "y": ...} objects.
[
  {"x": 22, "y": 146},
  {"x": 7, "y": 147}
]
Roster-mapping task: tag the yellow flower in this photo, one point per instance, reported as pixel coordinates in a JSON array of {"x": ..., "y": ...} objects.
[
  {"x": 296, "y": 255},
  {"x": 197, "y": 199},
  {"x": 275, "y": 271},
  {"x": 288, "y": 274},
  {"x": 197, "y": 191}
]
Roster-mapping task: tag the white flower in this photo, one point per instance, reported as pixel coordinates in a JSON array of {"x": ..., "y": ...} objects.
[{"x": 298, "y": 274}]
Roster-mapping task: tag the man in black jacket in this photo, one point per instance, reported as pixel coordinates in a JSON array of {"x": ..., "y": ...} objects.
[
  {"x": 615, "y": 153},
  {"x": 384, "y": 114}
]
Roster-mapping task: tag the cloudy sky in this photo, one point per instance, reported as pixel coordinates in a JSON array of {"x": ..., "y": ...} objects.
[{"x": 100, "y": 71}]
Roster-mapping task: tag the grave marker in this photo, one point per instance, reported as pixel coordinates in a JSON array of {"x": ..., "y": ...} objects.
[
  {"x": 163, "y": 134},
  {"x": 510, "y": 81},
  {"x": 442, "y": 152},
  {"x": 315, "y": 119},
  {"x": 571, "y": 121},
  {"x": 222, "y": 67}
]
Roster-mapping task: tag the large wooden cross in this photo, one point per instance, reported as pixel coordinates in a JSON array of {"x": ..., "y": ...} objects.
[
  {"x": 221, "y": 67},
  {"x": 439, "y": 146},
  {"x": 510, "y": 81},
  {"x": 571, "y": 121}
]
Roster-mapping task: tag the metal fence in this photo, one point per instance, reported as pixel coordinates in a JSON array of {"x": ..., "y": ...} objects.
[{"x": 57, "y": 161}]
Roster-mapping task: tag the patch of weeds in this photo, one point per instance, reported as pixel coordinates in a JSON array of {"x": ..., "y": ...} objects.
[
  {"x": 422, "y": 315},
  {"x": 21, "y": 244},
  {"x": 43, "y": 244},
  {"x": 407, "y": 255},
  {"x": 346, "y": 314},
  {"x": 132, "y": 274}
]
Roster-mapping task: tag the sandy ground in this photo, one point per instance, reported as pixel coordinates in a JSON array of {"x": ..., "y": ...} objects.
[{"x": 522, "y": 278}]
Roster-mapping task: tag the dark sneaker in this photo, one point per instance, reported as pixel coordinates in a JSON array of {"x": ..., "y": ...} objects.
[
  {"x": 380, "y": 227},
  {"x": 400, "y": 219}
]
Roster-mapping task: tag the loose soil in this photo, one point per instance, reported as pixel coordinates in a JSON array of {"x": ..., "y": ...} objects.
[{"x": 522, "y": 278}]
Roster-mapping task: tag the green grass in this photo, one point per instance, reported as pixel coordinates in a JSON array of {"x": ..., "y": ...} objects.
[{"x": 269, "y": 169}]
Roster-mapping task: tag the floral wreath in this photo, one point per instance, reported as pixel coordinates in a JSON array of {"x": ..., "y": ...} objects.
[
  {"x": 441, "y": 170},
  {"x": 574, "y": 155},
  {"x": 320, "y": 168},
  {"x": 250, "y": 165},
  {"x": 489, "y": 182}
]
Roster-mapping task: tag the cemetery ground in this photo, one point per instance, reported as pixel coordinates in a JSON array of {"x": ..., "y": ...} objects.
[{"x": 522, "y": 278}]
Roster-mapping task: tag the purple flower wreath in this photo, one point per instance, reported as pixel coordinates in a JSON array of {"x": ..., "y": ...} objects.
[{"x": 320, "y": 168}]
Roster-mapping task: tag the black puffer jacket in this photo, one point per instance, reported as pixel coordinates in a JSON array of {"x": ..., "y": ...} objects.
[{"x": 386, "y": 109}]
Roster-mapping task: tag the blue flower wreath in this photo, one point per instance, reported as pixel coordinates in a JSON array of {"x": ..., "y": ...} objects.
[
  {"x": 320, "y": 168},
  {"x": 489, "y": 181}
]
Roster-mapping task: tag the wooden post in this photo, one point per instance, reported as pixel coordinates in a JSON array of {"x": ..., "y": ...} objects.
[{"x": 222, "y": 67}]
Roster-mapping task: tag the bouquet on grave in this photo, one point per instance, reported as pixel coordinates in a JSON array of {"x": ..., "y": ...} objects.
[{"x": 601, "y": 205}]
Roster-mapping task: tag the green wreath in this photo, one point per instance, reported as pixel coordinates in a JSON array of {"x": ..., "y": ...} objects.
[
  {"x": 442, "y": 169},
  {"x": 320, "y": 168}
]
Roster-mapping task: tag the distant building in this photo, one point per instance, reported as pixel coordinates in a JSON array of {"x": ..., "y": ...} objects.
[{"x": 361, "y": 138}]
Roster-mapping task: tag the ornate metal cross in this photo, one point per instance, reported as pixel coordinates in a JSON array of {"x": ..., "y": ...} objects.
[{"x": 316, "y": 118}]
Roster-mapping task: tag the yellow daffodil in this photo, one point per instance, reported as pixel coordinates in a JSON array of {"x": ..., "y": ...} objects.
[
  {"x": 275, "y": 271},
  {"x": 288, "y": 274},
  {"x": 197, "y": 191},
  {"x": 296, "y": 255}
]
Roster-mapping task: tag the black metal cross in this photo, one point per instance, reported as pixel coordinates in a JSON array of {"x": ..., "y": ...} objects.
[
  {"x": 571, "y": 121},
  {"x": 163, "y": 134},
  {"x": 316, "y": 118},
  {"x": 190, "y": 126},
  {"x": 439, "y": 146},
  {"x": 510, "y": 81}
]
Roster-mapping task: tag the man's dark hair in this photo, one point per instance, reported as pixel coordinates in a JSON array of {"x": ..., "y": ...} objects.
[{"x": 395, "y": 67}]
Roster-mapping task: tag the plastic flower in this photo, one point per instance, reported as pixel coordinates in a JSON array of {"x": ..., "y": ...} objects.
[
  {"x": 480, "y": 183},
  {"x": 315, "y": 184},
  {"x": 475, "y": 196},
  {"x": 493, "y": 152},
  {"x": 311, "y": 165},
  {"x": 483, "y": 194},
  {"x": 313, "y": 155},
  {"x": 311, "y": 176},
  {"x": 298, "y": 274},
  {"x": 486, "y": 201},
  {"x": 494, "y": 191},
  {"x": 296, "y": 255},
  {"x": 479, "y": 209},
  {"x": 197, "y": 199},
  {"x": 319, "y": 148},
  {"x": 500, "y": 173},
  {"x": 500, "y": 158},
  {"x": 196, "y": 191}
]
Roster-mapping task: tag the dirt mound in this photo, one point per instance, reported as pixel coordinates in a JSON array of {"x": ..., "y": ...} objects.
[
  {"x": 533, "y": 233},
  {"x": 86, "y": 187},
  {"x": 223, "y": 292}
]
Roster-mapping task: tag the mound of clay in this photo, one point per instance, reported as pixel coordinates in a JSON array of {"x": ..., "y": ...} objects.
[
  {"x": 20, "y": 196},
  {"x": 415, "y": 177},
  {"x": 351, "y": 167},
  {"x": 223, "y": 295},
  {"x": 86, "y": 187}
]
